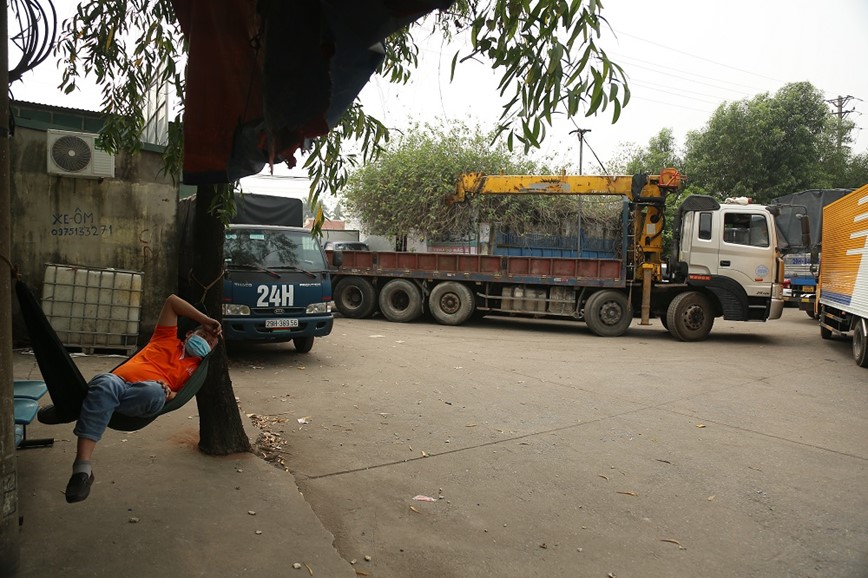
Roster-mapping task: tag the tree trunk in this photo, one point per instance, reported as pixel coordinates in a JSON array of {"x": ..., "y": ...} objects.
[{"x": 220, "y": 429}]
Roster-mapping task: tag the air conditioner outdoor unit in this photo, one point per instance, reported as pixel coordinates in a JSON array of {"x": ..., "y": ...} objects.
[{"x": 74, "y": 154}]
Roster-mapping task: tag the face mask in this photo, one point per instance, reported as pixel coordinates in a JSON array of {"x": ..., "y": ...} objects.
[{"x": 197, "y": 346}]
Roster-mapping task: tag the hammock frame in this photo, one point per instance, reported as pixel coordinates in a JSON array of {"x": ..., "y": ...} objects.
[{"x": 67, "y": 387}]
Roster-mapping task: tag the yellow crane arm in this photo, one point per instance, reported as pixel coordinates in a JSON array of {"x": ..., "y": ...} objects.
[
  {"x": 647, "y": 193},
  {"x": 481, "y": 184}
]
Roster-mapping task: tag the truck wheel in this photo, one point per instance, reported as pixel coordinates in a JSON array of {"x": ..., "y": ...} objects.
[
  {"x": 303, "y": 344},
  {"x": 400, "y": 301},
  {"x": 355, "y": 297},
  {"x": 860, "y": 344},
  {"x": 451, "y": 303},
  {"x": 689, "y": 316},
  {"x": 607, "y": 313}
]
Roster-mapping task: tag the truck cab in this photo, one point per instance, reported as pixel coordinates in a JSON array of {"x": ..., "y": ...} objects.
[
  {"x": 277, "y": 286},
  {"x": 730, "y": 250}
]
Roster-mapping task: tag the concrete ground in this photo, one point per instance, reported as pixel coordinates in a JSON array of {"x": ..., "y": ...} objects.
[
  {"x": 547, "y": 451},
  {"x": 553, "y": 452},
  {"x": 159, "y": 507}
]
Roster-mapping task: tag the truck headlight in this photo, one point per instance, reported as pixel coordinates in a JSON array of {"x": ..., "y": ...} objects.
[
  {"x": 230, "y": 309},
  {"x": 314, "y": 308}
]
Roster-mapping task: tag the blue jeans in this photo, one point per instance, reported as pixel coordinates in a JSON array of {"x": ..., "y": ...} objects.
[{"x": 108, "y": 393}]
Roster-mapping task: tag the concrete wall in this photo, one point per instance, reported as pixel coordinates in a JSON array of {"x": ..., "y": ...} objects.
[{"x": 126, "y": 222}]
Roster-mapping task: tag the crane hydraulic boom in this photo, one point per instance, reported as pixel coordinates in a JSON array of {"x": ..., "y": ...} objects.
[{"x": 646, "y": 193}]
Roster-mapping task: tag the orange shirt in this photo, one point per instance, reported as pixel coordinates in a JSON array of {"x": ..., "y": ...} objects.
[{"x": 162, "y": 359}]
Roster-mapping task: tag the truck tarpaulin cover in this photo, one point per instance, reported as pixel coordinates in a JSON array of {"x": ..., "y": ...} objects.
[
  {"x": 252, "y": 209},
  {"x": 263, "y": 75},
  {"x": 808, "y": 203}
]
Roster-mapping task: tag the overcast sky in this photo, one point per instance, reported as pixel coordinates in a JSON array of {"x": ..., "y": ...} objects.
[{"x": 683, "y": 58}]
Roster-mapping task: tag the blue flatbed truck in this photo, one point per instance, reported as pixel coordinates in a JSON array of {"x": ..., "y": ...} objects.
[{"x": 800, "y": 274}]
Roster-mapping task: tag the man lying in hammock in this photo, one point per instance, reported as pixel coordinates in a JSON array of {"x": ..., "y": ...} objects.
[{"x": 142, "y": 385}]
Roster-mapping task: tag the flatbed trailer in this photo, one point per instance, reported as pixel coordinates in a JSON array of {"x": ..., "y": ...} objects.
[{"x": 725, "y": 265}]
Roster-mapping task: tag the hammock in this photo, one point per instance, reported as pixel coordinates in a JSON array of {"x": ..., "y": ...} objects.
[{"x": 66, "y": 386}]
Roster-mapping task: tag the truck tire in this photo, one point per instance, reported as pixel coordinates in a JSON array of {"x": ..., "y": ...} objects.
[
  {"x": 689, "y": 316},
  {"x": 607, "y": 313},
  {"x": 303, "y": 344},
  {"x": 451, "y": 303},
  {"x": 355, "y": 297},
  {"x": 400, "y": 301},
  {"x": 860, "y": 344}
]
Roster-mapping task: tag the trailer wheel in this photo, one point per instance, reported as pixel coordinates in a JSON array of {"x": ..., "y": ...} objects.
[
  {"x": 689, "y": 316},
  {"x": 860, "y": 344},
  {"x": 451, "y": 303},
  {"x": 607, "y": 313},
  {"x": 355, "y": 297},
  {"x": 400, "y": 301},
  {"x": 303, "y": 344}
]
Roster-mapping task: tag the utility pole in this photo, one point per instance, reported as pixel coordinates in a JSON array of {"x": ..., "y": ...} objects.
[
  {"x": 9, "y": 532},
  {"x": 581, "y": 132},
  {"x": 839, "y": 104}
]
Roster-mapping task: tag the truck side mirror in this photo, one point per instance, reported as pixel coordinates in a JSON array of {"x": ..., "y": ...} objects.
[
  {"x": 338, "y": 258},
  {"x": 815, "y": 261},
  {"x": 806, "y": 229}
]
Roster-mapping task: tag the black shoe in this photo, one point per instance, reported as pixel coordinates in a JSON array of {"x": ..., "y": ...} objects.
[
  {"x": 78, "y": 487},
  {"x": 51, "y": 416}
]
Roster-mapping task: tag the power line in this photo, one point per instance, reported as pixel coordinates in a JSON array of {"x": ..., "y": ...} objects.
[
  {"x": 657, "y": 87},
  {"x": 752, "y": 89},
  {"x": 643, "y": 98},
  {"x": 700, "y": 57}
]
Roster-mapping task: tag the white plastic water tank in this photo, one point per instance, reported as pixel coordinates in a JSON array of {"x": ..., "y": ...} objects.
[{"x": 93, "y": 308}]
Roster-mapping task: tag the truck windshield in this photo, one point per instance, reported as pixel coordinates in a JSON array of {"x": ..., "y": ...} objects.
[
  {"x": 746, "y": 229},
  {"x": 273, "y": 249}
]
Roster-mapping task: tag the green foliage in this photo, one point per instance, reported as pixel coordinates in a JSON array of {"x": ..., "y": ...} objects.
[
  {"x": 549, "y": 58},
  {"x": 856, "y": 172},
  {"x": 660, "y": 153},
  {"x": 357, "y": 139},
  {"x": 763, "y": 147},
  {"x": 405, "y": 190},
  {"x": 128, "y": 47},
  {"x": 547, "y": 52}
]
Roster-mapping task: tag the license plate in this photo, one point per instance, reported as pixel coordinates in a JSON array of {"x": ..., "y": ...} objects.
[
  {"x": 809, "y": 289},
  {"x": 280, "y": 323}
]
